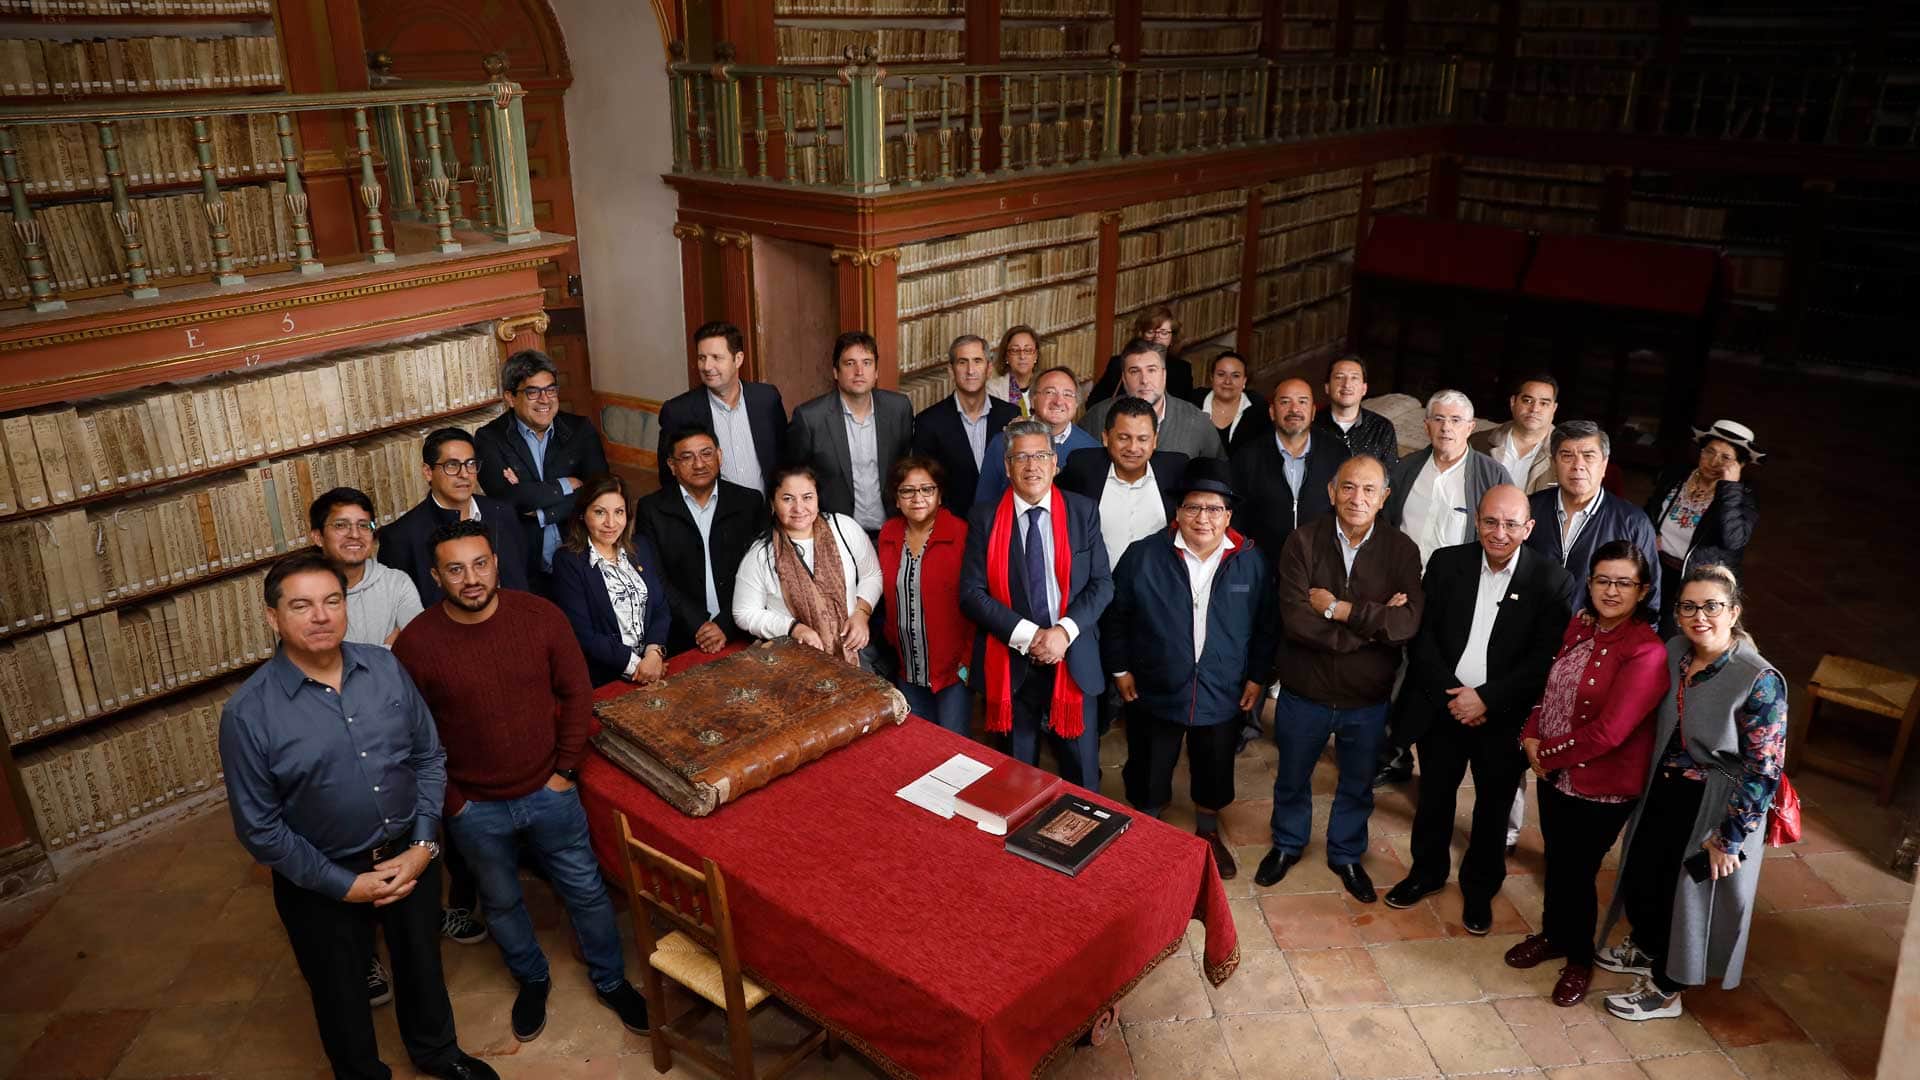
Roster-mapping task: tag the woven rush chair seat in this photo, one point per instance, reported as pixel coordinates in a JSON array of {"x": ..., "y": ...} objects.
[
  {"x": 689, "y": 963},
  {"x": 1868, "y": 688}
]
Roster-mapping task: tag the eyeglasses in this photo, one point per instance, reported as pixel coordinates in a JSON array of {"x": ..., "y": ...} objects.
[
  {"x": 349, "y": 526},
  {"x": 688, "y": 457},
  {"x": 1450, "y": 421},
  {"x": 549, "y": 392},
  {"x": 1022, "y": 350},
  {"x": 1607, "y": 584},
  {"x": 454, "y": 467},
  {"x": 459, "y": 571},
  {"x": 919, "y": 491},
  {"x": 1493, "y": 524},
  {"x": 1056, "y": 392},
  {"x": 1710, "y": 609},
  {"x": 1199, "y": 511},
  {"x": 1031, "y": 458},
  {"x": 1165, "y": 332}
]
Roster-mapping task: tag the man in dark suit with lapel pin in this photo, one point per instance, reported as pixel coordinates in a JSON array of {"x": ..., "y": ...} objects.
[
  {"x": 852, "y": 434},
  {"x": 1133, "y": 482},
  {"x": 1036, "y": 580},
  {"x": 533, "y": 457},
  {"x": 450, "y": 461},
  {"x": 1495, "y": 614},
  {"x": 955, "y": 430},
  {"x": 701, "y": 525},
  {"x": 747, "y": 418}
]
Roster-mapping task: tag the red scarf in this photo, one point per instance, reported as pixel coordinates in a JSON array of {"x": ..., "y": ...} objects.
[{"x": 1064, "y": 713}]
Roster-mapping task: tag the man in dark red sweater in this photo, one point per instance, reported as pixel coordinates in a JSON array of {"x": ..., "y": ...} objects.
[{"x": 509, "y": 692}]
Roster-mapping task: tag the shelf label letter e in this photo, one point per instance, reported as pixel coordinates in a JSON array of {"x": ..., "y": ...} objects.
[{"x": 194, "y": 340}]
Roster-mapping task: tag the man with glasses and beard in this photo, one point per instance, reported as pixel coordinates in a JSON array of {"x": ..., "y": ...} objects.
[
  {"x": 1183, "y": 428},
  {"x": 451, "y": 466},
  {"x": 507, "y": 684}
]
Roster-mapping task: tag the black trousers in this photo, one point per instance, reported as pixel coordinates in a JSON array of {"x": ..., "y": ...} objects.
[
  {"x": 1447, "y": 751},
  {"x": 1578, "y": 833},
  {"x": 1153, "y": 752},
  {"x": 462, "y": 890},
  {"x": 333, "y": 943},
  {"x": 1652, "y": 871}
]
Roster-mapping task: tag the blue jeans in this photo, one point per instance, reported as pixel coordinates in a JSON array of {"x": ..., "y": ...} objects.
[
  {"x": 951, "y": 708},
  {"x": 1300, "y": 730},
  {"x": 555, "y": 827}
]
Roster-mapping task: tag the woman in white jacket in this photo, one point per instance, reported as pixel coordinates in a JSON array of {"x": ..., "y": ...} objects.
[{"x": 814, "y": 577}]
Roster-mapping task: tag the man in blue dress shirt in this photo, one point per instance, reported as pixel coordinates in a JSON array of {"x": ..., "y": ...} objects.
[{"x": 335, "y": 779}]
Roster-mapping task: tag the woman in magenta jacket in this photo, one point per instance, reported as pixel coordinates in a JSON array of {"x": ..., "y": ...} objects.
[
  {"x": 1590, "y": 740},
  {"x": 920, "y": 554}
]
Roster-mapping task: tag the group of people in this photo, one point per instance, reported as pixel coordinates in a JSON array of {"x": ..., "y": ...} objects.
[{"x": 1165, "y": 562}]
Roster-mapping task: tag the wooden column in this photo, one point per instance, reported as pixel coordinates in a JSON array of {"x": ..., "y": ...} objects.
[
  {"x": 23, "y": 862},
  {"x": 693, "y": 293},
  {"x": 748, "y": 25},
  {"x": 865, "y": 290},
  {"x": 1106, "y": 288},
  {"x": 736, "y": 282},
  {"x": 983, "y": 31},
  {"x": 1249, "y": 271}
]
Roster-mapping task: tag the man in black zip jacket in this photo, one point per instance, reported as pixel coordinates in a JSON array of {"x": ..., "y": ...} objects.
[{"x": 1282, "y": 479}]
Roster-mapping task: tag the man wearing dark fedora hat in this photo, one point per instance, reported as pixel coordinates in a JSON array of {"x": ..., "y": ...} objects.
[{"x": 1190, "y": 643}]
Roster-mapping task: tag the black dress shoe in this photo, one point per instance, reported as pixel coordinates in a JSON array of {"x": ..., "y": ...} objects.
[
  {"x": 1274, "y": 867},
  {"x": 1476, "y": 916},
  {"x": 462, "y": 1067},
  {"x": 1397, "y": 770},
  {"x": 530, "y": 1010},
  {"x": 1222, "y": 855},
  {"x": 1356, "y": 881},
  {"x": 628, "y": 1004},
  {"x": 1410, "y": 891}
]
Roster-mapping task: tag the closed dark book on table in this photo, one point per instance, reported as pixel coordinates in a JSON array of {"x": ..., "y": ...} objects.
[
  {"x": 1068, "y": 834},
  {"x": 712, "y": 733},
  {"x": 1006, "y": 797}
]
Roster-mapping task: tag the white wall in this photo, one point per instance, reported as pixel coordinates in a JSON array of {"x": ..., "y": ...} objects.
[{"x": 620, "y": 142}]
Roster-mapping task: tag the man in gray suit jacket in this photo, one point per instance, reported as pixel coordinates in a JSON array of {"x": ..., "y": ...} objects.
[
  {"x": 1434, "y": 491},
  {"x": 851, "y": 435},
  {"x": 1183, "y": 429}
]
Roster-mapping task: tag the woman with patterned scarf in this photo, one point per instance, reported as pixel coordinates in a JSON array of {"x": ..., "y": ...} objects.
[{"x": 813, "y": 577}]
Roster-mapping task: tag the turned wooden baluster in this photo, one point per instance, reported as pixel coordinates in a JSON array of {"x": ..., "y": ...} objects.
[
  {"x": 1666, "y": 103},
  {"x": 1222, "y": 134},
  {"x": 1766, "y": 108},
  {"x": 454, "y": 201},
  {"x": 791, "y": 171},
  {"x": 224, "y": 272},
  {"x": 1139, "y": 112},
  {"x": 975, "y": 133},
  {"x": 946, "y": 133},
  {"x": 1160, "y": 116},
  {"x": 370, "y": 190},
  {"x": 1006, "y": 124},
  {"x": 1060, "y": 125},
  {"x": 1033, "y": 122},
  {"x": 296, "y": 197},
  {"x": 1086, "y": 122},
  {"x": 1180, "y": 117},
  {"x": 124, "y": 215},
  {"x": 913, "y": 169},
  {"x": 702, "y": 131},
  {"x": 1699, "y": 97},
  {"x": 817, "y": 161},
  {"x": 439, "y": 186},
  {"x": 481, "y": 171},
  {"x": 419, "y": 131},
  {"x": 1733, "y": 105},
  {"x": 760, "y": 124},
  {"x": 41, "y": 288}
]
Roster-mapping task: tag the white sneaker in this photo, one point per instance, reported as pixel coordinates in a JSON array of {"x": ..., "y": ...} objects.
[
  {"x": 379, "y": 987},
  {"x": 1647, "y": 1004},
  {"x": 1624, "y": 959}
]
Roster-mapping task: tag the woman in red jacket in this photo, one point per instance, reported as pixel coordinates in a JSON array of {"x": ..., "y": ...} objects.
[
  {"x": 1590, "y": 740},
  {"x": 920, "y": 553}
]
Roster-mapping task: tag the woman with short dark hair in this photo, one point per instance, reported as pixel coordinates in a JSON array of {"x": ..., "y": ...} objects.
[
  {"x": 607, "y": 581},
  {"x": 921, "y": 549}
]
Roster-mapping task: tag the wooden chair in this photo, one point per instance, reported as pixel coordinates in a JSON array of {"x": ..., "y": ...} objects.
[
  {"x": 700, "y": 956},
  {"x": 1868, "y": 688}
]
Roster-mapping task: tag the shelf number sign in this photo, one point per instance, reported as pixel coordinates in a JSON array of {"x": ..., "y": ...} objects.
[{"x": 196, "y": 338}]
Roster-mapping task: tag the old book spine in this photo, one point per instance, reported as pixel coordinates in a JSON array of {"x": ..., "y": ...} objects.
[
  {"x": 16, "y": 706},
  {"x": 222, "y": 445},
  {"x": 138, "y": 676},
  {"x": 188, "y": 408},
  {"x": 155, "y": 465},
  {"x": 43, "y": 679},
  {"x": 334, "y": 397},
  {"x": 52, "y": 571},
  {"x": 53, "y": 456},
  {"x": 140, "y": 549},
  {"x": 80, "y": 547},
  {"x": 9, "y": 495},
  {"x": 107, "y": 685},
  {"x": 238, "y": 423},
  {"x": 164, "y": 574},
  {"x": 313, "y": 386},
  {"x": 29, "y": 480},
  {"x": 28, "y": 575},
  {"x": 102, "y": 468},
  {"x": 69, "y": 678},
  {"x": 209, "y": 530},
  {"x": 112, "y": 769},
  {"x": 264, "y": 507},
  {"x": 257, "y": 411},
  {"x": 34, "y": 776},
  {"x": 109, "y": 422},
  {"x": 73, "y": 445}
]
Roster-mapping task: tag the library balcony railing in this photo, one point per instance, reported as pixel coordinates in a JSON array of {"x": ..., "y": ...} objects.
[
  {"x": 865, "y": 127},
  {"x": 1853, "y": 107},
  {"x": 104, "y": 196}
]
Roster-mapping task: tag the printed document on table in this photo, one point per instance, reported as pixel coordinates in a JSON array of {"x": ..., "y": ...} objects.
[{"x": 935, "y": 790}]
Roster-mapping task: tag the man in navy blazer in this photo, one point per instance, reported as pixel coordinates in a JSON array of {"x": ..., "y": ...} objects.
[
  {"x": 955, "y": 430},
  {"x": 533, "y": 457},
  {"x": 702, "y": 526},
  {"x": 450, "y": 461},
  {"x": 852, "y": 434},
  {"x": 1049, "y": 634},
  {"x": 1577, "y": 505},
  {"x": 1284, "y": 475},
  {"x": 748, "y": 418}
]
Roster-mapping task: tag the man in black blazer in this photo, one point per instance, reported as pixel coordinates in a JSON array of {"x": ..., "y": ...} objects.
[
  {"x": 1494, "y": 618},
  {"x": 1227, "y": 385},
  {"x": 533, "y": 457},
  {"x": 701, "y": 526},
  {"x": 955, "y": 430},
  {"x": 852, "y": 434},
  {"x": 748, "y": 418},
  {"x": 1283, "y": 479},
  {"x": 1135, "y": 484},
  {"x": 1048, "y": 633},
  {"x": 450, "y": 461}
]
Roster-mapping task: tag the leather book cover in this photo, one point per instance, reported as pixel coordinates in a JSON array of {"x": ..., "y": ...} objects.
[
  {"x": 713, "y": 733},
  {"x": 1068, "y": 834},
  {"x": 1003, "y": 799}
]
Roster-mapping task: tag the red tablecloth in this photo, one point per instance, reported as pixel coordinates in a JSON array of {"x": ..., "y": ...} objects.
[{"x": 917, "y": 939}]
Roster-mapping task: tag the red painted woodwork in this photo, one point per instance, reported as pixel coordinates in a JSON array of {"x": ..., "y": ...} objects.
[
  {"x": 1106, "y": 287},
  {"x": 1612, "y": 271},
  {"x": 1249, "y": 270},
  {"x": 736, "y": 279},
  {"x": 1443, "y": 252},
  {"x": 693, "y": 293},
  {"x": 324, "y": 52},
  {"x": 109, "y": 344}
]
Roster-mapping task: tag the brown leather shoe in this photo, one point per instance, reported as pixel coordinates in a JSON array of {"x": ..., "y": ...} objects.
[
  {"x": 1222, "y": 855},
  {"x": 1571, "y": 990},
  {"x": 1532, "y": 952}
]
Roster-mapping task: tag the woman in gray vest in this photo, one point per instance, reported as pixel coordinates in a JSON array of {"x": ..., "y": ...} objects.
[{"x": 1692, "y": 860}]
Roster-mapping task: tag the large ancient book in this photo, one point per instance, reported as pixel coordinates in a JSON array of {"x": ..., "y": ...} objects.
[{"x": 709, "y": 735}]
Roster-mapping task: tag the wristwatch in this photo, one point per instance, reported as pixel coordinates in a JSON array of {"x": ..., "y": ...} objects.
[
  {"x": 1328, "y": 614},
  {"x": 433, "y": 847},
  {"x": 571, "y": 776}
]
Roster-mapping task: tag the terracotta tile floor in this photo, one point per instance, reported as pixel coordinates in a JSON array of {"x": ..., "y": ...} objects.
[{"x": 166, "y": 960}]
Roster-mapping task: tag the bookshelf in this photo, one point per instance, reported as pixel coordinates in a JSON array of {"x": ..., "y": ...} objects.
[
  {"x": 1304, "y": 264},
  {"x": 1369, "y": 26},
  {"x": 136, "y": 530},
  {"x": 59, "y": 56},
  {"x": 1041, "y": 274},
  {"x": 1056, "y": 29},
  {"x": 1608, "y": 31},
  {"x": 901, "y": 31},
  {"x": 1184, "y": 253},
  {"x": 1864, "y": 299},
  {"x": 1469, "y": 29},
  {"x": 1199, "y": 28},
  {"x": 1750, "y": 220},
  {"x": 1531, "y": 195},
  {"x": 1307, "y": 26},
  {"x": 1400, "y": 186}
]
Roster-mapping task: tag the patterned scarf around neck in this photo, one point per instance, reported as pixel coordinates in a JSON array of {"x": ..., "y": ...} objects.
[{"x": 818, "y": 599}]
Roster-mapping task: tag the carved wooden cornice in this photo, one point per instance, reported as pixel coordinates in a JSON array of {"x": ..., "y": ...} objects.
[
  {"x": 742, "y": 240},
  {"x": 685, "y": 231},
  {"x": 508, "y": 329}
]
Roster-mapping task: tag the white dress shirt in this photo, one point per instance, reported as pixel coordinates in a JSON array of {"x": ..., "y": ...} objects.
[
  {"x": 1129, "y": 511},
  {"x": 1572, "y": 524},
  {"x": 1472, "y": 668},
  {"x": 1348, "y": 551},
  {"x": 1240, "y": 414},
  {"x": 976, "y": 428},
  {"x": 739, "y": 462},
  {"x": 703, "y": 521},
  {"x": 1519, "y": 466},
  {"x": 1024, "y": 632},
  {"x": 760, "y": 608},
  {"x": 1200, "y": 573},
  {"x": 1436, "y": 514},
  {"x": 863, "y": 453}
]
